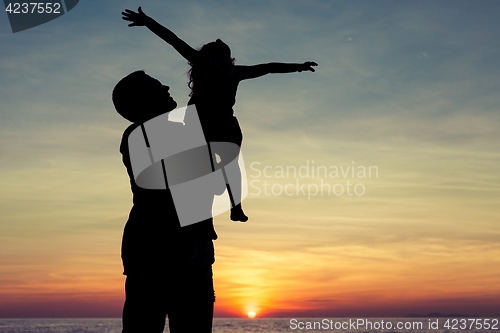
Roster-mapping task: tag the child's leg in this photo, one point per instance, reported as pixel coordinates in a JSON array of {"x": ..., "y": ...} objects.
[
  {"x": 226, "y": 145},
  {"x": 232, "y": 175},
  {"x": 233, "y": 179},
  {"x": 237, "y": 211},
  {"x": 228, "y": 159}
]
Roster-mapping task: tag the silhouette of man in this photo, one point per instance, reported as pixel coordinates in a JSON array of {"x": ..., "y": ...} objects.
[{"x": 168, "y": 268}]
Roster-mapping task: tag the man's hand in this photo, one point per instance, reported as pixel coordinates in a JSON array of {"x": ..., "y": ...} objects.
[
  {"x": 137, "y": 19},
  {"x": 307, "y": 66}
]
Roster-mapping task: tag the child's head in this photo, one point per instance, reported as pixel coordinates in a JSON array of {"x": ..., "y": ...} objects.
[
  {"x": 139, "y": 97},
  {"x": 217, "y": 51}
]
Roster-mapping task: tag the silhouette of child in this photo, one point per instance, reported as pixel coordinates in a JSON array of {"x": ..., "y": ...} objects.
[{"x": 213, "y": 79}]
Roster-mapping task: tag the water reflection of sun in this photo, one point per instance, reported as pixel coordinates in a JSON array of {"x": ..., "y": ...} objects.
[{"x": 251, "y": 314}]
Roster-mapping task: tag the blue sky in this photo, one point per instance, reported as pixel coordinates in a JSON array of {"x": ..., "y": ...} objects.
[{"x": 407, "y": 61}]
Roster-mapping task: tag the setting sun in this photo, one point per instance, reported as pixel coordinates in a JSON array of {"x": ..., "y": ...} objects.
[{"x": 251, "y": 314}]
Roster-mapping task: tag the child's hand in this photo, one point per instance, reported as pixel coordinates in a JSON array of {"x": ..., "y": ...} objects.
[
  {"x": 307, "y": 66},
  {"x": 137, "y": 19}
]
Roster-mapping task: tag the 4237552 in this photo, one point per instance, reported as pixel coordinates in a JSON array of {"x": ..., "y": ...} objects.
[{"x": 34, "y": 7}]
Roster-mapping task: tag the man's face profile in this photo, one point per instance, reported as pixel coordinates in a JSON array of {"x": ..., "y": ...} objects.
[{"x": 157, "y": 98}]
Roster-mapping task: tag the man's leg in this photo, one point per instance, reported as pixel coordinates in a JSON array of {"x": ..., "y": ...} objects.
[
  {"x": 145, "y": 306},
  {"x": 192, "y": 307}
]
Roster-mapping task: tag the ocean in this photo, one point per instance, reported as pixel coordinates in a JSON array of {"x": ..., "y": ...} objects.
[{"x": 265, "y": 325}]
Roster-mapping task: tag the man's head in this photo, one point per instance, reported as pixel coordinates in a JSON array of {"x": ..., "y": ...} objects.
[{"x": 138, "y": 97}]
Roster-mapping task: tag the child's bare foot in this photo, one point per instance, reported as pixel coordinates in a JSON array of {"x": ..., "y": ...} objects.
[{"x": 237, "y": 214}]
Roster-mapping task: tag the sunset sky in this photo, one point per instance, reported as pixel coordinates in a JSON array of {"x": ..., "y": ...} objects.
[{"x": 408, "y": 88}]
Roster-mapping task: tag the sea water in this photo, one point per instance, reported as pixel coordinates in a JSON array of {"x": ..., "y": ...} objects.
[{"x": 240, "y": 325}]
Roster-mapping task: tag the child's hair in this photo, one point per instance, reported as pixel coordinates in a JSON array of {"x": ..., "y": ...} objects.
[
  {"x": 207, "y": 51},
  {"x": 128, "y": 95}
]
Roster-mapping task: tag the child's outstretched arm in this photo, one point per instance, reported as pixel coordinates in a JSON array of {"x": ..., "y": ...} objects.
[
  {"x": 141, "y": 19},
  {"x": 251, "y": 72}
]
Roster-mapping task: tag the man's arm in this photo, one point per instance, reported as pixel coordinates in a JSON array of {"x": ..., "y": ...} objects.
[
  {"x": 141, "y": 19},
  {"x": 251, "y": 72}
]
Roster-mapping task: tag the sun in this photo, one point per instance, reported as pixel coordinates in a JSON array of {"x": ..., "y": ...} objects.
[{"x": 251, "y": 314}]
